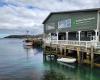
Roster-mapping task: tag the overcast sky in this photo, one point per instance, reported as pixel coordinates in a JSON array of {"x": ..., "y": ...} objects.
[{"x": 17, "y": 16}]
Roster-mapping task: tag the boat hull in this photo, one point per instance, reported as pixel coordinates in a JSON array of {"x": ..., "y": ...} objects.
[
  {"x": 67, "y": 60},
  {"x": 28, "y": 44}
]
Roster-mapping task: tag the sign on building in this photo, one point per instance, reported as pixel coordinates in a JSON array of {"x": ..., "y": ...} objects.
[
  {"x": 64, "y": 23},
  {"x": 82, "y": 21}
]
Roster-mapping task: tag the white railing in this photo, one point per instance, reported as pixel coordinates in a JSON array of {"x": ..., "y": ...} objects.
[{"x": 76, "y": 43}]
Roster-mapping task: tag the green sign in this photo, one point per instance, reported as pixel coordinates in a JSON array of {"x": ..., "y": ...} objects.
[{"x": 83, "y": 21}]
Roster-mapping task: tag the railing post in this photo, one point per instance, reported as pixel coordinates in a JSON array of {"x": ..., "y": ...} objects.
[
  {"x": 66, "y": 35},
  {"x": 86, "y": 44},
  {"x": 96, "y": 35},
  {"x": 57, "y": 37},
  {"x": 79, "y": 36}
]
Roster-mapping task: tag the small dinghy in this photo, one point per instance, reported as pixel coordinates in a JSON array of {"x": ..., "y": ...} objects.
[{"x": 67, "y": 60}]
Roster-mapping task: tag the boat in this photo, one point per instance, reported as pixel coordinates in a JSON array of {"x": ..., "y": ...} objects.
[
  {"x": 67, "y": 60},
  {"x": 28, "y": 42}
]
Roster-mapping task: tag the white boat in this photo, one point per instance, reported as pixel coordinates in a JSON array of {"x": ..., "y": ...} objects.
[
  {"x": 67, "y": 60},
  {"x": 27, "y": 43}
]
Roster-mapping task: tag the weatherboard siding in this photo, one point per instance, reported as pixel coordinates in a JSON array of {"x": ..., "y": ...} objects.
[
  {"x": 99, "y": 21},
  {"x": 79, "y": 21}
]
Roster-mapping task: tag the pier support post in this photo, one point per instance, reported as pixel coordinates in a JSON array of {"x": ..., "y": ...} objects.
[
  {"x": 56, "y": 49},
  {"x": 88, "y": 55},
  {"x": 78, "y": 55},
  {"x": 44, "y": 57},
  {"x": 92, "y": 57},
  {"x": 61, "y": 50},
  {"x": 82, "y": 57},
  {"x": 65, "y": 51}
]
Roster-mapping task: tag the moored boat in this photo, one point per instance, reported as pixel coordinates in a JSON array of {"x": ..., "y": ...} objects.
[
  {"x": 28, "y": 42},
  {"x": 67, "y": 60}
]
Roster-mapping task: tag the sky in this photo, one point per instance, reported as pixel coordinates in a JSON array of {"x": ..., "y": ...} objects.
[{"x": 18, "y": 16}]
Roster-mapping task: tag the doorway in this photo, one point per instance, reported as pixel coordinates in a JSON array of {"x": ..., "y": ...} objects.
[{"x": 62, "y": 36}]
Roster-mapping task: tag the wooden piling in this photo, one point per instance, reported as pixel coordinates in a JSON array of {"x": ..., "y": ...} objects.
[
  {"x": 61, "y": 50},
  {"x": 82, "y": 57},
  {"x": 65, "y": 51},
  {"x": 56, "y": 49},
  {"x": 78, "y": 55},
  {"x": 92, "y": 56},
  {"x": 88, "y": 55},
  {"x": 44, "y": 57}
]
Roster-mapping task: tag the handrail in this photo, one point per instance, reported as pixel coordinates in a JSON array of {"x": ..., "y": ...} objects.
[{"x": 77, "y": 43}]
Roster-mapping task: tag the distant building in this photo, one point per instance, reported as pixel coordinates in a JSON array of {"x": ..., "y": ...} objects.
[{"x": 79, "y": 27}]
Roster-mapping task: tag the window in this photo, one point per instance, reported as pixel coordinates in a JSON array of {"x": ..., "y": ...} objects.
[
  {"x": 82, "y": 34},
  {"x": 64, "y": 23},
  {"x": 77, "y": 35},
  {"x": 89, "y": 34}
]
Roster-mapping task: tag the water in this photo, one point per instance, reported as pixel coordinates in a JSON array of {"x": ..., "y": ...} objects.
[{"x": 20, "y": 63}]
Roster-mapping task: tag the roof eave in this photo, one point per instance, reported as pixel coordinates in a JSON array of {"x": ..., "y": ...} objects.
[{"x": 95, "y": 9}]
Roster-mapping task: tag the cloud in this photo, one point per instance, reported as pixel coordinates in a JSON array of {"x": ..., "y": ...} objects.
[
  {"x": 21, "y": 18},
  {"x": 20, "y": 15},
  {"x": 55, "y": 5}
]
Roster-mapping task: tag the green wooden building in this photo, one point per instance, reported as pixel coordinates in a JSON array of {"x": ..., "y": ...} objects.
[{"x": 79, "y": 27}]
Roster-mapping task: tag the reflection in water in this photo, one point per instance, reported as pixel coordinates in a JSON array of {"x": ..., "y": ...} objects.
[
  {"x": 56, "y": 71},
  {"x": 53, "y": 73},
  {"x": 26, "y": 63},
  {"x": 62, "y": 72},
  {"x": 30, "y": 51}
]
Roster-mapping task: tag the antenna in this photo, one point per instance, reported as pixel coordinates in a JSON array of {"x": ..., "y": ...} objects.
[{"x": 27, "y": 32}]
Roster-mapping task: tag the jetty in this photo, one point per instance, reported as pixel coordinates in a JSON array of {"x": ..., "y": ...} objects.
[{"x": 73, "y": 34}]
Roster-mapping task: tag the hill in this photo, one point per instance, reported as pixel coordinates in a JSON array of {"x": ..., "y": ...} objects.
[
  {"x": 19, "y": 36},
  {"x": 25, "y": 36}
]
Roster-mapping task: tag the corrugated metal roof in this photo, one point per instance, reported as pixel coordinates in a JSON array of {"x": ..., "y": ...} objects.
[{"x": 84, "y": 10}]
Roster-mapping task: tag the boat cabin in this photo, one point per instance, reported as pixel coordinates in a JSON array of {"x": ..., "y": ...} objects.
[{"x": 79, "y": 27}]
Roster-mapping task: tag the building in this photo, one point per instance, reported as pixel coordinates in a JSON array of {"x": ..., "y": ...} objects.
[
  {"x": 78, "y": 28},
  {"x": 77, "y": 31}
]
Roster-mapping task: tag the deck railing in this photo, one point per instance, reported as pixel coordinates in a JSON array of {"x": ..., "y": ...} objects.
[{"x": 74, "y": 43}]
